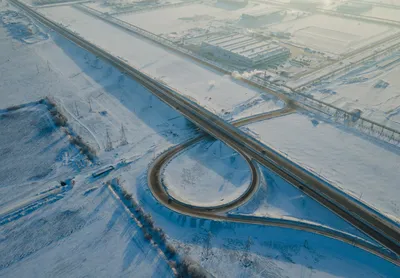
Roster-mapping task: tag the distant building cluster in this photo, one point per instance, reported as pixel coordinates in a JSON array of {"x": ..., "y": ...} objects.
[{"x": 245, "y": 50}]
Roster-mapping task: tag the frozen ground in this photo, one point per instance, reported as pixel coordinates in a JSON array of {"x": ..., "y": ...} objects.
[
  {"x": 234, "y": 250},
  {"x": 367, "y": 169},
  {"x": 385, "y": 13},
  {"x": 275, "y": 252},
  {"x": 208, "y": 174},
  {"x": 276, "y": 198},
  {"x": 78, "y": 81},
  {"x": 217, "y": 92},
  {"x": 86, "y": 234},
  {"x": 33, "y": 151},
  {"x": 178, "y": 19},
  {"x": 334, "y": 35},
  {"x": 360, "y": 89}
]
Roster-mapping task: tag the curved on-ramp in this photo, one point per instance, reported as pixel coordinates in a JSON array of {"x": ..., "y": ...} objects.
[
  {"x": 219, "y": 213},
  {"x": 164, "y": 158}
]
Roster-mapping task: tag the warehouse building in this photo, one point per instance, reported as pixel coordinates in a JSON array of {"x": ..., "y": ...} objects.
[
  {"x": 263, "y": 16},
  {"x": 270, "y": 14},
  {"x": 244, "y": 50}
]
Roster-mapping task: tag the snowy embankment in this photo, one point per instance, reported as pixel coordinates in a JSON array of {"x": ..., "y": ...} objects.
[
  {"x": 208, "y": 174},
  {"x": 217, "y": 92},
  {"x": 242, "y": 250},
  {"x": 366, "y": 169},
  {"x": 276, "y": 198}
]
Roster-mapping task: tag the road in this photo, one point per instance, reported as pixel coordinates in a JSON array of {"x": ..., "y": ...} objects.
[
  {"x": 368, "y": 221},
  {"x": 158, "y": 187}
]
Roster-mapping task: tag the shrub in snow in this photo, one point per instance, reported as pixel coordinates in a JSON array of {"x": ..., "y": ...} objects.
[
  {"x": 147, "y": 236},
  {"x": 170, "y": 250},
  {"x": 83, "y": 146},
  {"x": 189, "y": 268},
  {"x": 13, "y": 108}
]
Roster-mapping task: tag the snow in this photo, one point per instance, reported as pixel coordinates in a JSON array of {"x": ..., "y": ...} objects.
[
  {"x": 276, "y": 198},
  {"x": 77, "y": 80},
  {"x": 88, "y": 232},
  {"x": 271, "y": 251},
  {"x": 33, "y": 151},
  {"x": 189, "y": 78},
  {"x": 178, "y": 19},
  {"x": 208, "y": 174},
  {"x": 357, "y": 90},
  {"x": 84, "y": 235},
  {"x": 333, "y": 34},
  {"x": 366, "y": 169},
  {"x": 384, "y": 13}
]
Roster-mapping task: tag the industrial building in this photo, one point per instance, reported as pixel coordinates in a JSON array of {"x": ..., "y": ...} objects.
[
  {"x": 245, "y": 50},
  {"x": 263, "y": 16}
]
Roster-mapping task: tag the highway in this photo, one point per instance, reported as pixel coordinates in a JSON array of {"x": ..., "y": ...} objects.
[{"x": 380, "y": 229}]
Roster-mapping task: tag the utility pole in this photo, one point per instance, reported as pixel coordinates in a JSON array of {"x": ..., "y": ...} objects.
[
  {"x": 246, "y": 261},
  {"x": 124, "y": 141},
  {"x": 208, "y": 245},
  {"x": 76, "y": 110},
  {"x": 90, "y": 105},
  {"x": 108, "y": 142}
]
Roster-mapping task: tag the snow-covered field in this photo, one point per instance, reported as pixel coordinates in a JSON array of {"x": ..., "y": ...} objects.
[
  {"x": 361, "y": 89},
  {"x": 213, "y": 90},
  {"x": 86, "y": 234},
  {"x": 208, "y": 174},
  {"x": 387, "y": 2},
  {"x": 385, "y": 13},
  {"x": 276, "y": 198},
  {"x": 366, "y": 169},
  {"x": 33, "y": 151},
  {"x": 178, "y": 19},
  {"x": 331, "y": 34},
  {"x": 234, "y": 250}
]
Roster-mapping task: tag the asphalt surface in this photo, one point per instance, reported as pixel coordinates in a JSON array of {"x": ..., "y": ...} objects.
[{"x": 379, "y": 228}]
